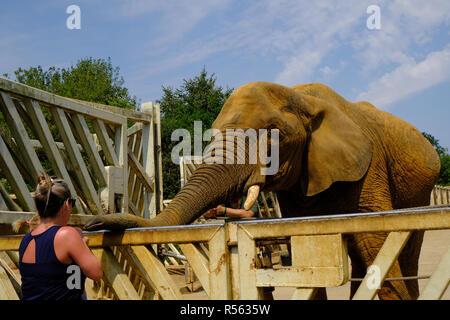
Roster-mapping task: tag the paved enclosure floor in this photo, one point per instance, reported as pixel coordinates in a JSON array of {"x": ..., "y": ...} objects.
[{"x": 434, "y": 246}]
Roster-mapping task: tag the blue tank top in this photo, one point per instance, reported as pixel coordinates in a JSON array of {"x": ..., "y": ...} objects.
[{"x": 48, "y": 278}]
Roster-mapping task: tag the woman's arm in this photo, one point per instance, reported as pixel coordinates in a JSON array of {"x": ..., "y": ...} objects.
[
  {"x": 69, "y": 240},
  {"x": 235, "y": 213}
]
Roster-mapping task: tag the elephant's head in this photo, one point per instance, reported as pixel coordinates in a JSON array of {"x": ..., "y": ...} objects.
[{"x": 317, "y": 145}]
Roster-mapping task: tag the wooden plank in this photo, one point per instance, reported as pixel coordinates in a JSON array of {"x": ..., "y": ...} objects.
[
  {"x": 306, "y": 277},
  {"x": 115, "y": 276},
  {"x": 429, "y": 218},
  {"x": 11, "y": 269},
  {"x": 247, "y": 275},
  {"x": 10, "y": 204},
  {"x": 21, "y": 136},
  {"x": 48, "y": 99},
  {"x": 386, "y": 257},
  {"x": 219, "y": 281},
  {"x": 89, "y": 147},
  {"x": 121, "y": 149},
  {"x": 105, "y": 142},
  {"x": 14, "y": 177},
  {"x": 199, "y": 264},
  {"x": 439, "y": 280},
  {"x": 154, "y": 271},
  {"x": 76, "y": 160},
  {"x": 148, "y": 161},
  {"x": 158, "y": 159},
  {"x": 131, "y": 115},
  {"x": 7, "y": 291},
  {"x": 48, "y": 143},
  {"x": 140, "y": 172},
  {"x": 319, "y": 261}
]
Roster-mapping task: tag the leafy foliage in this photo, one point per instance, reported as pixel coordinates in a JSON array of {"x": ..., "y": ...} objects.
[
  {"x": 94, "y": 80},
  {"x": 444, "y": 175},
  {"x": 197, "y": 99}
]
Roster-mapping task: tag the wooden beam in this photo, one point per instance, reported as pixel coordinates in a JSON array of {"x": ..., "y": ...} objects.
[
  {"x": 48, "y": 99},
  {"x": 115, "y": 276},
  {"x": 140, "y": 172},
  {"x": 77, "y": 161},
  {"x": 89, "y": 147},
  {"x": 386, "y": 257},
  {"x": 439, "y": 281},
  {"x": 148, "y": 161},
  {"x": 21, "y": 136},
  {"x": 48, "y": 143},
  {"x": 429, "y": 218},
  {"x": 219, "y": 282},
  {"x": 105, "y": 142},
  {"x": 7, "y": 291},
  {"x": 199, "y": 263},
  {"x": 14, "y": 177},
  {"x": 154, "y": 272},
  {"x": 247, "y": 267}
]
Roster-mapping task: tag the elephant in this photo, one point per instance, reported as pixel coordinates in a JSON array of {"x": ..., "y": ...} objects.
[{"x": 335, "y": 157}]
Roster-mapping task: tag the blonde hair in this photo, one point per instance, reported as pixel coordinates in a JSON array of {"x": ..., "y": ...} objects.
[{"x": 50, "y": 195}]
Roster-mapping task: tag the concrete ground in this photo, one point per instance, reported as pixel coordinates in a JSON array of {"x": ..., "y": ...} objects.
[{"x": 434, "y": 246}]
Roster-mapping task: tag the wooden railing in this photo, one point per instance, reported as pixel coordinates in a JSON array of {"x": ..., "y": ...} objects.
[
  {"x": 440, "y": 195},
  {"x": 231, "y": 269},
  {"x": 110, "y": 157}
]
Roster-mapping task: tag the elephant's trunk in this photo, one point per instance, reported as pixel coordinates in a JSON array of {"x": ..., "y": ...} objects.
[
  {"x": 213, "y": 184},
  {"x": 209, "y": 186}
]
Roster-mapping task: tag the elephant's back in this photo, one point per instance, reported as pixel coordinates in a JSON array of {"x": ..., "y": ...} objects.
[
  {"x": 411, "y": 161},
  {"x": 413, "y": 164}
]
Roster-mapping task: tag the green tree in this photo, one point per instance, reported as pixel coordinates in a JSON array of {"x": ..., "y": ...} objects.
[
  {"x": 444, "y": 175},
  {"x": 95, "y": 80},
  {"x": 197, "y": 99}
]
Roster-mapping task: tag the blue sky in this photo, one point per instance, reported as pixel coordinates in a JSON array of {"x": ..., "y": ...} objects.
[{"x": 402, "y": 68}]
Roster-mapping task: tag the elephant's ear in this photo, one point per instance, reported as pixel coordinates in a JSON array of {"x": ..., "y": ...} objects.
[{"x": 338, "y": 149}]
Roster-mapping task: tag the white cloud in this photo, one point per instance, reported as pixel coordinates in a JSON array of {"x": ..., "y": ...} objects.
[
  {"x": 408, "y": 79},
  {"x": 176, "y": 17}
]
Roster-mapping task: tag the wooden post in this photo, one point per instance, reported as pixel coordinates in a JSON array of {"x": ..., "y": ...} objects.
[
  {"x": 247, "y": 266},
  {"x": 148, "y": 160},
  {"x": 219, "y": 267}
]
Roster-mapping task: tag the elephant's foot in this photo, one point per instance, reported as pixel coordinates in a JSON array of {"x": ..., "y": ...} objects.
[{"x": 116, "y": 221}]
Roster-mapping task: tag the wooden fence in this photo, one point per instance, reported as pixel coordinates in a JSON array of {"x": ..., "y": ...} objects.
[
  {"x": 231, "y": 269},
  {"x": 440, "y": 195},
  {"x": 110, "y": 157}
]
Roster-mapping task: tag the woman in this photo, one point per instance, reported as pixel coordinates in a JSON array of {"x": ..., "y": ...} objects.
[{"x": 51, "y": 256}]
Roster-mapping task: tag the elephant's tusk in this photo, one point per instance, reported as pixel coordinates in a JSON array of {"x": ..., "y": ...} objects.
[{"x": 252, "y": 195}]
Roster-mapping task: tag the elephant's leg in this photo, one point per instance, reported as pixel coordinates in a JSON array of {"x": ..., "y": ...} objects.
[
  {"x": 363, "y": 249},
  {"x": 409, "y": 262}
]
